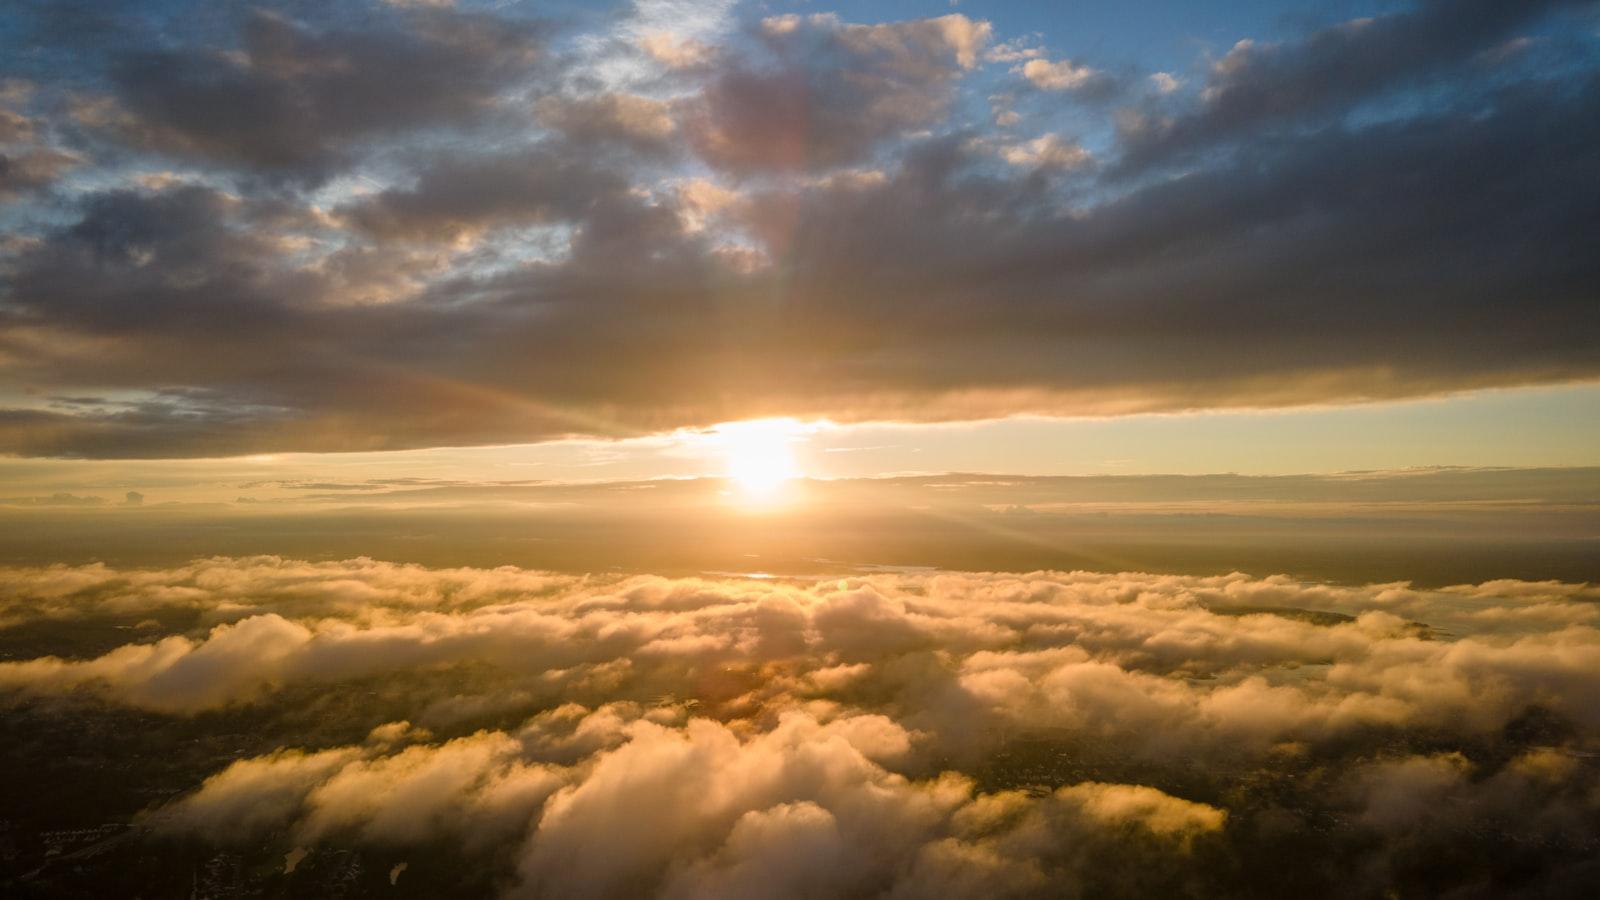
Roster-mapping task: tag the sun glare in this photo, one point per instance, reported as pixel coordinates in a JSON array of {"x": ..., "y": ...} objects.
[{"x": 759, "y": 455}]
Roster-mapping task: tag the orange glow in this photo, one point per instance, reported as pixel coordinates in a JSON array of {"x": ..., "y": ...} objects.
[{"x": 758, "y": 456}]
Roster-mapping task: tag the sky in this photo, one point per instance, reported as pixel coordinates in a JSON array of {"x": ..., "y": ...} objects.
[
  {"x": 331, "y": 279},
  {"x": 1531, "y": 427},
  {"x": 354, "y": 227},
  {"x": 898, "y": 449}
]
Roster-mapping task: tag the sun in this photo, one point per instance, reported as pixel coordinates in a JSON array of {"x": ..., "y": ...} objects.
[{"x": 758, "y": 455}]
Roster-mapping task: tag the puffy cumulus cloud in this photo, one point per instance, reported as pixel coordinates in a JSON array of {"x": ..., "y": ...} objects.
[
  {"x": 1062, "y": 75},
  {"x": 1050, "y": 151},
  {"x": 480, "y": 788},
  {"x": 1422, "y": 804},
  {"x": 465, "y": 227},
  {"x": 1161, "y": 664},
  {"x": 1013, "y": 51},
  {"x": 703, "y": 199},
  {"x": 900, "y": 735},
  {"x": 675, "y": 52},
  {"x": 954, "y": 33},
  {"x": 256, "y": 794},
  {"x": 1123, "y": 804},
  {"x": 911, "y": 46},
  {"x": 679, "y": 807},
  {"x": 1165, "y": 82},
  {"x": 226, "y": 590},
  {"x": 475, "y": 785}
]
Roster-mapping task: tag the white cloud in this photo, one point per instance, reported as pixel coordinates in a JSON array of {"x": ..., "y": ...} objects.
[
  {"x": 1109, "y": 652},
  {"x": 1013, "y": 51},
  {"x": 809, "y": 737},
  {"x": 1063, "y": 75},
  {"x": 1050, "y": 151},
  {"x": 804, "y": 808}
]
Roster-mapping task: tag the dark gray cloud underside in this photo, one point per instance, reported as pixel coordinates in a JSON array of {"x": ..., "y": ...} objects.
[{"x": 569, "y": 276}]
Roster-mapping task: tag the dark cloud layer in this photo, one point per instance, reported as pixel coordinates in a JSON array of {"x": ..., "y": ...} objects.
[
  {"x": 292, "y": 100},
  {"x": 835, "y": 91},
  {"x": 1262, "y": 86},
  {"x": 368, "y": 228}
]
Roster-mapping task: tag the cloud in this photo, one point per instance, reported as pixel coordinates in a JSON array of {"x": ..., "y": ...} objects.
[
  {"x": 674, "y": 52},
  {"x": 1165, "y": 82},
  {"x": 1062, "y": 75},
  {"x": 32, "y": 169},
  {"x": 801, "y": 809},
  {"x": 61, "y": 498},
  {"x": 1049, "y": 151},
  {"x": 460, "y": 197},
  {"x": 509, "y": 252},
  {"x": 836, "y": 92},
  {"x": 911, "y": 735},
  {"x": 1013, "y": 51},
  {"x": 28, "y": 160},
  {"x": 624, "y": 118},
  {"x": 1258, "y": 85},
  {"x": 1094, "y": 653},
  {"x": 292, "y": 100}
]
